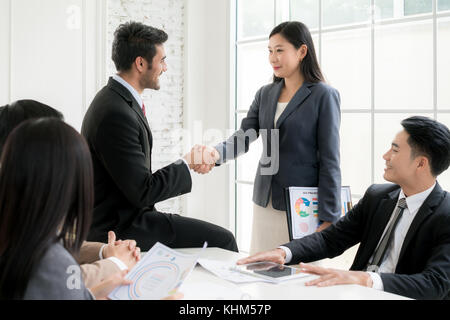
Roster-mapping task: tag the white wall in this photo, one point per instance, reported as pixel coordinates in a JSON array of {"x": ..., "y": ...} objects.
[
  {"x": 4, "y": 51},
  {"x": 207, "y": 102},
  {"x": 50, "y": 54}
]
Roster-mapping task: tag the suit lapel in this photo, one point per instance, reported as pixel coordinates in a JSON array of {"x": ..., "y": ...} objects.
[
  {"x": 381, "y": 219},
  {"x": 128, "y": 97},
  {"x": 295, "y": 102},
  {"x": 425, "y": 210}
]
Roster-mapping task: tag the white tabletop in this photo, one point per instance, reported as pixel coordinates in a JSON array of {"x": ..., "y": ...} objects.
[{"x": 203, "y": 285}]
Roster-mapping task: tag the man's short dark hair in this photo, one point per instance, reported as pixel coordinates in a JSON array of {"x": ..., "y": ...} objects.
[
  {"x": 431, "y": 139},
  {"x": 135, "y": 39}
]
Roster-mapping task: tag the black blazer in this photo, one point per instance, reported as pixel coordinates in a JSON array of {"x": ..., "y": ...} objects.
[
  {"x": 308, "y": 144},
  {"x": 423, "y": 268},
  {"x": 120, "y": 141}
]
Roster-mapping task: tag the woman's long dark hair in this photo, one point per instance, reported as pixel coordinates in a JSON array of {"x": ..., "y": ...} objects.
[
  {"x": 298, "y": 34},
  {"x": 15, "y": 113},
  {"x": 46, "y": 196}
]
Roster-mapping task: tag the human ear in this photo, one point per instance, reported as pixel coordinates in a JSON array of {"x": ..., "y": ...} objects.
[
  {"x": 139, "y": 62},
  {"x": 423, "y": 162},
  {"x": 303, "y": 51}
]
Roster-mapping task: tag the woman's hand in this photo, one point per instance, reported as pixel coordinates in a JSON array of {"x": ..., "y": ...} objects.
[
  {"x": 104, "y": 288},
  {"x": 125, "y": 250}
]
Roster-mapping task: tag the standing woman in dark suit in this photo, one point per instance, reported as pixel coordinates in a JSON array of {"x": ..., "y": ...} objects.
[{"x": 298, "y": 117}]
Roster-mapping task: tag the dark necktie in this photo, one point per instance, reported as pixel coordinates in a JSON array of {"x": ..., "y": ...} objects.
[
  {"x": 380, "y": 251},
  {"x": 143, "y": 109}
]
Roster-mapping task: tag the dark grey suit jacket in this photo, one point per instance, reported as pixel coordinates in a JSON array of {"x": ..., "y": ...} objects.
[
  {"x": 423, "y": 268},
  {"x": 50, "y": 278},
  {"x": 307, "y": 140}
]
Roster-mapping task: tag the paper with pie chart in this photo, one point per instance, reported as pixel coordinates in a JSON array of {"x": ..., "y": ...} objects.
[
  {"x": 304, "y": 206},
  {"x": 159, "y": 274}
]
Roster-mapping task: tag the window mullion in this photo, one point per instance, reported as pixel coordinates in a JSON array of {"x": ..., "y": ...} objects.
[{"x": 435, "y": 80}]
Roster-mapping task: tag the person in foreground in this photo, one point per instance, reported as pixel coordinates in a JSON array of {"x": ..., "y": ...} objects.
[
  {"x": 46, "y": 202},
  {"x": 97, "y": 260},
  {"x": 403, "y": 229}
]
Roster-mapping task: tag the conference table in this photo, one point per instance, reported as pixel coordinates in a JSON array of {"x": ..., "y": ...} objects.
[{"x": 202, "y": 284}]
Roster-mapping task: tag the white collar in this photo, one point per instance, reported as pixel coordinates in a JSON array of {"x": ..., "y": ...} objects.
[
  {"x": 415, "y": 201},
  {"x": 130, "y": 88}
]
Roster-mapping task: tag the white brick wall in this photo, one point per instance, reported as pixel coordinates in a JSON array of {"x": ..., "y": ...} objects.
[{"x": 164, "y": 107}]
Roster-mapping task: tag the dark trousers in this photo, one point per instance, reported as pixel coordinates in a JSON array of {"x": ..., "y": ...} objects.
[{"x": 176, "y": 231}]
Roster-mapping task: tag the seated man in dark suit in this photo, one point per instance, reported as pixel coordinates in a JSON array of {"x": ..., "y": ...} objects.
[
  {"x": 120, "y": 140},
  {"x": 403, "y": 229}
]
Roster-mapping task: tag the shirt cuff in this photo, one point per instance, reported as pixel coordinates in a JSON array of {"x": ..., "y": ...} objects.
[
  {"x": 119, "y": 263},
  {"x": 100, "y": 254},
  {"x": 377, "y": 282},
  {"x": 288, "y": 254}
]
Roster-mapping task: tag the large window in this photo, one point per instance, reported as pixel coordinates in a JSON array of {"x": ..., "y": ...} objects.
[{"x": 387, "y": 58}]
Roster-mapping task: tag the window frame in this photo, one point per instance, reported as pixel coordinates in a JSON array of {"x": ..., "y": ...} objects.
[{"x": 284, "y": 5}]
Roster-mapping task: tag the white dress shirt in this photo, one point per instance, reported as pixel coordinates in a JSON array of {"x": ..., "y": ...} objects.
[
  {"x": 389, "y": 264},
  {"x": 138, "y": 99},
  {"x": 281, "y": 106}
]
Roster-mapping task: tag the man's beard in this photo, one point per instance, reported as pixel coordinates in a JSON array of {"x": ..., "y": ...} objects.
[{"x": 150, "y": 84}]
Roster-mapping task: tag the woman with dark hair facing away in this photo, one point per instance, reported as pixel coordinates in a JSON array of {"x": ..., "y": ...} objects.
[
  {"x": 46, "y": 201},
  {"x": 97, "y": 260},
  {"x": 11, "y": 115},
  {"x": 298, "y": 118}
]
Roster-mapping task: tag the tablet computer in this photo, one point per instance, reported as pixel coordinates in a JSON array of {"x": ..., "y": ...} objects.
[{"x": 271, "y": 271}]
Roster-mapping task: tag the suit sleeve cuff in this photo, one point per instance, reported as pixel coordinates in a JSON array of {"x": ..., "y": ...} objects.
[
  {"x": 187, "y": 165},
  {"x": 377, "y": 282},
  {"x": 119, "y": 263},
  {"x": 219, "y": 149},
  {"x": 288, "y": 254}
]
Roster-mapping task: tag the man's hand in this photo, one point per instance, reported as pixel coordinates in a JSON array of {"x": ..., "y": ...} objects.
[
  {"x": 323, "y": 226},
  {"x": 276, "y": 255},
  {"x": 202, "y": 159},
  {"x": 125, "y": 250},
  {"x": 332, "y": 277},
  {"x": 209, "y": 157}
]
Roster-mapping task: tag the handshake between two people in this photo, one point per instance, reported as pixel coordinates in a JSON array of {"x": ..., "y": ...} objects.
[{"x": 202, "y": 158}]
